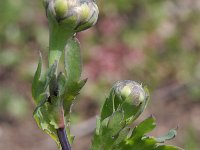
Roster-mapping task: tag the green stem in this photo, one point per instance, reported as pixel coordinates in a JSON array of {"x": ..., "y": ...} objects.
[
  {"x": 59, "y": 35},
  {"x": 57, "y": 42}
]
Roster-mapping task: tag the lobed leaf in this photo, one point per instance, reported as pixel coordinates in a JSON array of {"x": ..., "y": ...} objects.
[
  {"x": 168, "y": 136},
  {"x": 43, "y": 119},
  {"x": 143, "y": 128},
  {"x": 40, "y": 83},
  {"x": 113, "y": 131}
]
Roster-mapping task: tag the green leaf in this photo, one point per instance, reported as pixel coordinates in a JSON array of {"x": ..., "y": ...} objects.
[
  {"x": 148, "y": 143},
  {"x": 49, "y": 75},
  {"x": 124, "y": 141},
  {"x": 107, "y": 131},
  {"x": 43, "y": 99},
  {"x": 168, "y": 147},
  {"x": 113, "y": 131},
  {"x": 43, "y": 119},
  {"x": 168, "y": 136},
  {"x": 98, "y": 125},
  {"x": 122, "y": 135},
  {"x": 61, "y": 80},
  {"x": 115, "y": 123},
  {"x": 138, "y": 140},
  {"x": 96, "y": 142},
  {"x": 111, "y": 104},
  {"x": 107, "y": 109},
  {"x": 71, "y": 91},
  {"x": 53, "y": 85},
  {"x": 48, "y": 118},
  {"x": 73, "y": 65},
  {"x": 144, "y": 127},
  {"x": 73, "y": 68},
  {"x": 37, "y": 85},
  {"x": 41, "y": 83},
  {"x": 48, "y": 114},
  {"x": 138, "y": 144}
]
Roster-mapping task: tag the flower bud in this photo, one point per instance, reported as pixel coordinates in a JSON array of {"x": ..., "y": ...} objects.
[
  {"x": 128, "y": 96},
  {"x": 130, "y": 89},
  {"x": 77, "y": 14}
]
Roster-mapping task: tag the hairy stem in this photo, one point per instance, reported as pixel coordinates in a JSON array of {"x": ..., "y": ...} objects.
[{"x": 63, "y": 139}]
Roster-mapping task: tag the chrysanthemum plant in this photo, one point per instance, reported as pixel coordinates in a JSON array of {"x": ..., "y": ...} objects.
[{"x": 54, "y": 92}]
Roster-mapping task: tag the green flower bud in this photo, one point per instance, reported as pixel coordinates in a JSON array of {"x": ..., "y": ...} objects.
[
  {"x": 76, "y": 14},
  {"x": 130, "y": 89},
  {"x": 128, "y": 96},
  {"x": 132, "y": 98}
]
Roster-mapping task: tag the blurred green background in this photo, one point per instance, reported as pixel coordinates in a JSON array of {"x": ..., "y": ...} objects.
[{"x": 154, "y": 42}]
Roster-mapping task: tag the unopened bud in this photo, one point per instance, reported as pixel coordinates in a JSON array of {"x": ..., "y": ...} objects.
[
  {"x": 77, "y": 14},
  {"x": 131, "y": 97},
  {"x": 132, "y": 90}
]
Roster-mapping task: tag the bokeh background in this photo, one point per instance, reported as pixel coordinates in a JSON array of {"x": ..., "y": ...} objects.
[{"x": 154, "y": 42}]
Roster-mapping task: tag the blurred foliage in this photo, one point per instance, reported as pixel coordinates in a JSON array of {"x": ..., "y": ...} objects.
[
  {"x": 12, "y": 103},
  {"x": 154, "y": 42},
  {"x": 192, "y": 140},
  {"x": 151, "y": 41}
]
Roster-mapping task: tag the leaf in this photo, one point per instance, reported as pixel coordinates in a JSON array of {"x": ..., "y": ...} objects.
[
  {"x": 98, "y": 125},
  {"x": 115, "y": 123},
  {"x": 138, "y": 144},
  {"x": 96, "y": 142},
  {"x": 138, "y": 140},
  {"x": 168, "y": 136},
  {"x": 71, "y": 91},
  {"x": 73, "y": 65},
  {"x": 42, "y": 117},
  {"x": 144, "y": 127},
  {"x": 113, "y": 131},
  {"x": 104, "y": 139},
  {"x": 48, "y": 118},
  {"x": 110, "y": 105},
  {"x": 73, "y": 68},
  {"x": 107, "y": 131},
  {"x": 148, "y": 143},
  {"x": 50, "y": 73},
  {"x": 122, "y": 135},
  {"x": 40, "y": 83},
  {"x": 43, "y": 99},
  {"x": 61, "y": 80},
  {"x": 168, "y": 147},
  {"x": 37, "y": 87},
  {"x": 53, "y": 86},
  {"x": 47, "y": 115},
  {"x": 107, "y": 109}
]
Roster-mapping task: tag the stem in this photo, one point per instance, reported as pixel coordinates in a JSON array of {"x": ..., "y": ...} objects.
[
  {"x": 57, "y": 43},
  {"x": 63, "y": 139},
  {"x": 58, "y": 38}
]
